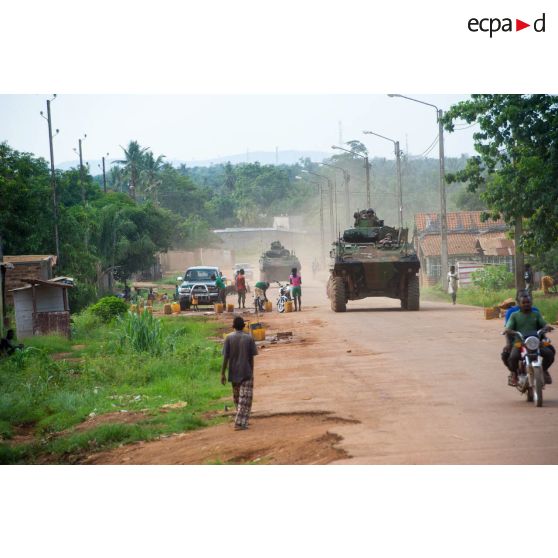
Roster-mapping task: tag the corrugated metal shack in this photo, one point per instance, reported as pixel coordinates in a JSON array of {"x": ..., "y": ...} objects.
[{"x": 42, "y": 307}]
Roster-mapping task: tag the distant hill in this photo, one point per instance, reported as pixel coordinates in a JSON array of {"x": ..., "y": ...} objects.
[{"x": 264, "y": 157}]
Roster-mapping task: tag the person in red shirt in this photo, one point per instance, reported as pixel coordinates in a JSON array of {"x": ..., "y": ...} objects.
[{"x": 241, "y": 288}]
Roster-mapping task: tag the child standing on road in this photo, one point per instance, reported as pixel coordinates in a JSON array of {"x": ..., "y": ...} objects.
[{"x": 296, "y": 288}]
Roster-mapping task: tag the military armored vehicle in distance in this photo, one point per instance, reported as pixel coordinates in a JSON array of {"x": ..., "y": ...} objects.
[
  {"x": 372, "y": 260},
  {"x": 276, "y": 263}
]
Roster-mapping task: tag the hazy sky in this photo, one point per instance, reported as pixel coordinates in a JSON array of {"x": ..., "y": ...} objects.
[{"x": 197, "y": 127}]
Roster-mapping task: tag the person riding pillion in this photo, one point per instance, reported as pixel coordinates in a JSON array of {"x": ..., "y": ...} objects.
[{"x": 526, "y": 321}]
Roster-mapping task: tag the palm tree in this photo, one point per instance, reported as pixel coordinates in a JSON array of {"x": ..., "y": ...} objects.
[
  {"x": 150, "y": 174},
  {"x": 133, "y": 163},
  {"x": 117, "y": 179}
]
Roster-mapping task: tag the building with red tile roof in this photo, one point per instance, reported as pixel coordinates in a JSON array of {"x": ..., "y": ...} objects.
[{"x": 469, "y": 239}]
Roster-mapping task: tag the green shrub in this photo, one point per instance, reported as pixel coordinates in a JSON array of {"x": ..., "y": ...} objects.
[
  {"x": 493, "y": 278},
  {"x": 84, "y": 323},
  {"x": 142, "y": 333},
  {"x": 108, "y": 308}
]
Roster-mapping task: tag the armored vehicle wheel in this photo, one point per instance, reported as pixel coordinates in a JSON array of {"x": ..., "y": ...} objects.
[
  {"x": 338, "y": 297},
  {"x": 413, "y": 294},
  {"x": 328, "y": 288},
  {"x": 184, "y": 304},
  {"x": 404, "y": 303}
]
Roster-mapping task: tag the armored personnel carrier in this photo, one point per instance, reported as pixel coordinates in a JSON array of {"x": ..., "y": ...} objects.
[
  {"x": 372, "y": 259},
  {"x": 276, "y": 263}
]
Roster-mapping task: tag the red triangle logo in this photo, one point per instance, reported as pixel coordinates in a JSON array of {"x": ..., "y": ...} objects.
[{"x": 519, "y": 25}]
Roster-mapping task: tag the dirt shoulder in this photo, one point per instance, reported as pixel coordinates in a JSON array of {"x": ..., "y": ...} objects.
[{"x": 374, "y": 385}]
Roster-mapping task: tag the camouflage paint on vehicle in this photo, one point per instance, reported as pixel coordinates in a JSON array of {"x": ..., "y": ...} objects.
[
  {"x": 276, "y": 264},
  {"x": 372, "y": 260}
]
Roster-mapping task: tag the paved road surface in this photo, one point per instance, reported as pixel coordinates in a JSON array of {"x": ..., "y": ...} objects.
[{"x": 427, "y": 387}]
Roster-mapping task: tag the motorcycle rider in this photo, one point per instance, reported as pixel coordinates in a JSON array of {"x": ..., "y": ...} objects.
[
  {"x": 526, "y": 321},
  {"x": 511, "y": 338}
]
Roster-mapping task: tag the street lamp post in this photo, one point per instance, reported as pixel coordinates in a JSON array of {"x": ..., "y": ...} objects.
[
  {"x": 443, "y": 216},
  {"x": 53, "y": 180},
  {"x": 330, "y": 191},
  {"x": 366, "y": 166},
  {"x": 346, "y": 179},
  {"x": 398, "y": 165}
]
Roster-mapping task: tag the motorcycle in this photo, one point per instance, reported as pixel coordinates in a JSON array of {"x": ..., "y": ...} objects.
[
  {"x": 284, "y": 296},
  {"x": 530, "y": 378}
]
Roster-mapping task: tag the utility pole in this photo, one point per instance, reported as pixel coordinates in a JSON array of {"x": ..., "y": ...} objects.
[
  {"x": 399, "y": 194},
  {"x": 443, "y": 216},
  {"x": 81, "y": 177},
  {"x": 322, "y": 232},
  {"x": 104, "y": 176},
  {"x": 331, "y": 216},
  {"x": 53, "y": 183},
  {"x": 367, "y": 166},
  {"x": 399, "y": 188},
  {"x": 346, "y": 179}
]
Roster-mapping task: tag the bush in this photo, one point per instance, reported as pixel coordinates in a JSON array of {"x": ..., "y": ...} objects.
[
  {"x": 108, "y": 308},
  {"x": 142, "y": 332},
  {"x": 493, "y": 278}
]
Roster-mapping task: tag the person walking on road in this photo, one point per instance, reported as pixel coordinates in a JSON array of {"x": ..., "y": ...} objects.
[
  {"x": 239, "y": 351},
  {"x": 241, "y": 288},
  {"x": 220, "y": 284},
  {"x": 296, "y": 288},
  {"x": 452, "y": 283}
]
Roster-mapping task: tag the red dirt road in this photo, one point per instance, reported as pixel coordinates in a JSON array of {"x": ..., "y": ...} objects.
[{"x": 376, "y": 385}]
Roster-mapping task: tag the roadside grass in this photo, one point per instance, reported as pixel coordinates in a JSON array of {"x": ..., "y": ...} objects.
[
  {"x": 171, "y": 391},
  {"x": 548, "y": 305}
]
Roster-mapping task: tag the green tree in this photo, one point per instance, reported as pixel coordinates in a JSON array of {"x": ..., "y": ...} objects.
[
  {"x": 150, "y": 179},
  {"x": 26, "y": 218},
  {"x": 133, "y": 164},
  {"x": 357, "y": 147},
  {"x": 517, "y": 161}
]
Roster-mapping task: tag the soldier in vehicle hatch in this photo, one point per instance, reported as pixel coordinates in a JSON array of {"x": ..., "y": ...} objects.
[{"x": 368, "y": 215}]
